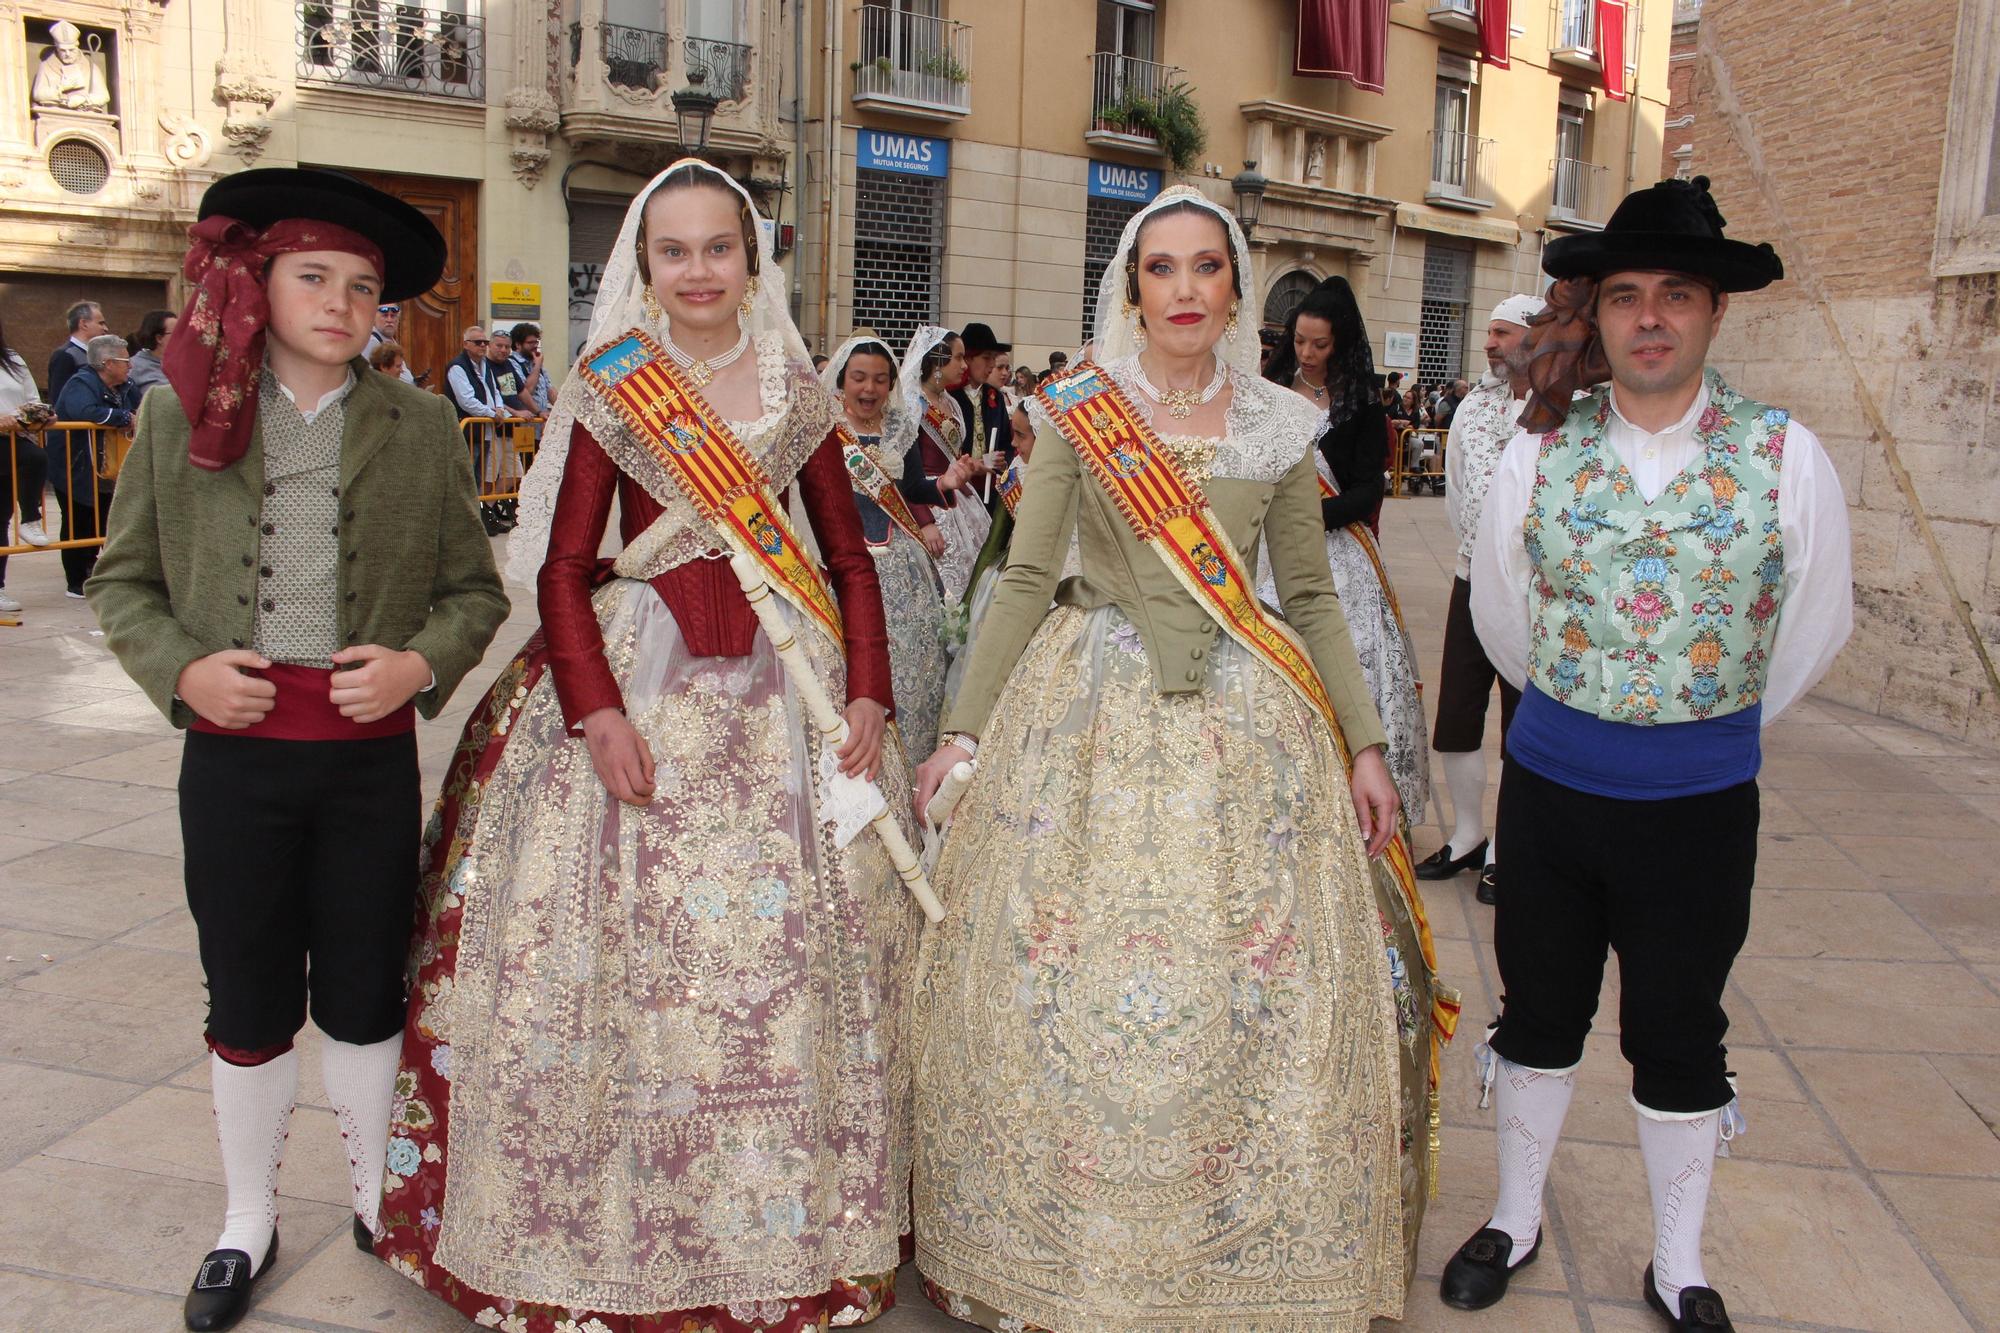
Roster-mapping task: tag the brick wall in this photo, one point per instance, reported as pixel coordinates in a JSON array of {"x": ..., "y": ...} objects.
[{"x": 1830, "y": 148}]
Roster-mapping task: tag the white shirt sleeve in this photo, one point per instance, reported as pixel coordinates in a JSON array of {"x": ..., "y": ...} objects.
[
  {"x": 1500, "y": 571},
  {"x": 466, "y": 394},
  {"x": 1817, "y": 613},
  {"x": 1454, "y": 476}
]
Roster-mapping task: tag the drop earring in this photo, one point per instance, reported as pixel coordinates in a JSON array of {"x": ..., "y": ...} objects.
[
  {"x": 651, "y": 305},
  {"x": 1139, "y": 334},
  {"x": 1229, "y": 329},
  {"x": 749, "y": 298}
]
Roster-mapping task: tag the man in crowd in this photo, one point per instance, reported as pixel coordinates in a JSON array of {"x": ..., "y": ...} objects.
[
  {"x": 1480, "y": 431},
  {"x": 1663, "y": 567},
  {"x": 86, "y": 321},
  {"x": 475, "y": 392},
  {"x": 985, "y": 407},
  {"x": 96, "y": 393},
  {"x": 535, "y": 392},
  {"x": 388, "y": 320}
]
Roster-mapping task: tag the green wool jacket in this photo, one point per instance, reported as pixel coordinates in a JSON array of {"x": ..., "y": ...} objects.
[
  {"x": 178, "y": 576},
  {"x": 1178, "y": 632}
]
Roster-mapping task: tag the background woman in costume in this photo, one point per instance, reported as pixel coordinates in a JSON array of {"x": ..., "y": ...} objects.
[
  {"x": 933, "y": 365},
  {"x": 1325, "y": 357},
  {"x": 1169, "y": 1038},
  {"x": 862, "y": 374},
  {"x": 643, "y": 954}
]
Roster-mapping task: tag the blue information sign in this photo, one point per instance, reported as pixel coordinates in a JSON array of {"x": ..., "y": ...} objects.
[
  {"x": 911, "y": 154},
  {"x": 1113, "y": 180}
]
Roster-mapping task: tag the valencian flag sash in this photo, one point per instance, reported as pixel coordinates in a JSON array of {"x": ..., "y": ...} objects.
[
  {"x": 711, "y": 467},
  {"x": 1167, "y": 512},
  {"x": 870, "y": 480},
  {"x": 943, "y": 426},
  {"x": 1010, "y": 487}
]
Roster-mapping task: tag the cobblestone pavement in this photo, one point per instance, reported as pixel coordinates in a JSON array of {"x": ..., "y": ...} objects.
[{"x": 1866, "y": 1030}]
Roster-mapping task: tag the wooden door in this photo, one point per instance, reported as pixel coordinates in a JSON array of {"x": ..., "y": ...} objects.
[{"x": 434, "y": 323}]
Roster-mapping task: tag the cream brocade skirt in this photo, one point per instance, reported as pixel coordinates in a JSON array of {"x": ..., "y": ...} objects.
[
  {"x": 964, "y": 526},
  {"x": 677, "y": 1077},
  {"x": 1169, "y": 1059}
]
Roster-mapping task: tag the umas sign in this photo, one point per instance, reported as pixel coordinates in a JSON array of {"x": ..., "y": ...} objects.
[
  {"x": 1114, "y": 180},
  {"x": 911, "y": 154}
]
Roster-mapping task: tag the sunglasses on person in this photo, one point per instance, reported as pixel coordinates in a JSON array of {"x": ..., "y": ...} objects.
[
  {"x": 388, "y": 310},
  {"x": 478, "y": 342}
]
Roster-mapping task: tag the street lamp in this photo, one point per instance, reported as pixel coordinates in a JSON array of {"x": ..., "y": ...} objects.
[
  {"x": 1249, "y": 185},
  {"x": 694, "y": 109}
]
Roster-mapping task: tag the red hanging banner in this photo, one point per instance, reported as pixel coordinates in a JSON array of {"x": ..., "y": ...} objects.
[
  {"x": 1343, "y": 39},
  {"x": 1611, "y": 46},
  {"x": 1494, "y": 22}
]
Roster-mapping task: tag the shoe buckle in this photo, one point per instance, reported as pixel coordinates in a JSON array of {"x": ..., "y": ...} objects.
[
  {"x": 1482, "y": 1251},
  {"x": 208, "y": 1280},
  {"x": 1708, "y": 1312}
]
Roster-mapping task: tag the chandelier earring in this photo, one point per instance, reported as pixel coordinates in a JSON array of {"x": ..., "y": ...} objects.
[
  {"x": 1229, "y": 329},
  {"x": 749, "y": 298},
  {"x": 651, "y": 305},
  {"x": 1139, "y": 334}
]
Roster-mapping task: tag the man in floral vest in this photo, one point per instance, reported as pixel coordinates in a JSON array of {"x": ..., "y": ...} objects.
[{"x": 1662, "y": 567}]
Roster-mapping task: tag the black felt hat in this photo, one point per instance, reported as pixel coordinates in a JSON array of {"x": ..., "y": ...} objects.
[
  {"x": 1671, "y": 227},
  {"x": 413, "y": 251},
  {"x": 978, "y": 338}
]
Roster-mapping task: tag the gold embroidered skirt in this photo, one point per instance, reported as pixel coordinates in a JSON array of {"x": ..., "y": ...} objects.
[
  {"x": 672, "y": 1034},
  {"x": 1166, "y": 1078}
]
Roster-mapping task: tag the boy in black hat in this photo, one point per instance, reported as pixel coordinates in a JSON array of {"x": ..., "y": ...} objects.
[
  {"x": 295, "y": 565},
  {"x": 1662, "y": 566},
  {"x": 987, "y": 415}
]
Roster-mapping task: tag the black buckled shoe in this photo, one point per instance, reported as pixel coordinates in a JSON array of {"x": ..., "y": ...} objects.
[
  {"x": 364, "y": 1239},
  {"x": 1488, "y": 891},
  {"x": 1440, "y": 864},
  {"x": 1702, "y": 1310},
  {"x": 221, "y": 1290},
  {"x": 1478, "y": 1274}
]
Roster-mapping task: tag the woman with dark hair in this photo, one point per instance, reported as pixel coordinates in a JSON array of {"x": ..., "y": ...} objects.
[
  {"x": 934, "y": 365},
  {"x": 146, "y": 345},
  {"x": 29, "y": 467},
  {"x": 1325, "y": 359}
]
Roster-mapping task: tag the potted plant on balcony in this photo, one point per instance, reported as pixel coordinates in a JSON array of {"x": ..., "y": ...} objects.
[
  {"x": 1172, "y": 120},
  {"x": 941, "y": 65}
]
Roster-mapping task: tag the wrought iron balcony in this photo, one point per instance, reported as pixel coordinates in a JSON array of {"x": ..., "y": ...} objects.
[
  {"x": 633, "y": 57},
  {"x": 1124, "y": 93},
  {"x": 913, "y": 64},
  {"x": 721, "y": 69},
  {"x": 399, "y": 47},
  {"x": 1577, "y": 200},
  {"x": 1573, "y": 33},
  {"x": 1461, "y": 167}
]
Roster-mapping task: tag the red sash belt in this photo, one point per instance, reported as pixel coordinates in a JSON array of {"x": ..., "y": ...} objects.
[{"x": 303, "y": 711}]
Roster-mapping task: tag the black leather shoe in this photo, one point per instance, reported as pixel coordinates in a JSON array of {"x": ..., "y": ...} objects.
[
  {"x": 1477, "y": 1275},
  {"x": 1488, "y": 891},
  {"x": 364, "y": 1240},
  {"x": 1701, "y": 1311},
  {"x": 221, "y": 1290},
  {"x": 1441, "y": 865}
]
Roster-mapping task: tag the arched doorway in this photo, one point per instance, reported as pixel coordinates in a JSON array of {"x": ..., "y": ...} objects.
[{"x": 1285, "y": 295}]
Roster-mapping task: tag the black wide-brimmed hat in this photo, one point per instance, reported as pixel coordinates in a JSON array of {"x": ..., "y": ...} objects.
[
  {"x": 1671, "y": 227},
  {"x": 413, "y": 251},
  {"x": 978, "y": 338}
]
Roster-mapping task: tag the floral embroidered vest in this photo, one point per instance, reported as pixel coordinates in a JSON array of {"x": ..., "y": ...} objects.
[{"x": 1662, "y": 612}]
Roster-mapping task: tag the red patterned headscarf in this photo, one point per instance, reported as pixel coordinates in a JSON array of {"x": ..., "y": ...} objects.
[
  {"x": 217, "y": 351},
  {"x": 1564, "y": 354}
]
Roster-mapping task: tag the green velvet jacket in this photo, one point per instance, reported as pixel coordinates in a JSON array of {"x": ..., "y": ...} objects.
[
  {"x": 178, "y": 576},
  {"x": 1119, "y": 570}
]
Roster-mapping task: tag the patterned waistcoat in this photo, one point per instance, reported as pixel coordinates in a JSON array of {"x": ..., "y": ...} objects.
[{"x": 1661, "y": 612}]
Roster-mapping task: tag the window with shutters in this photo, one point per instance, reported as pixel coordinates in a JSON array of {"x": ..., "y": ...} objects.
[
  {"x": 1103, "y": 223},
  {"x": 1441, "y": 325},
  {"x": 898, "y": 252}
]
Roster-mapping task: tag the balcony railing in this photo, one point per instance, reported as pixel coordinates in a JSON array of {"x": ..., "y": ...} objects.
[
  {"x": 1123, "y": 93},
  {"x": 914, "y": 63},
  {"x": 1578, "y": 194},
  {"x": 1461, "y": 14},
  {"x": 633, "y": 57},
  {"x": 722, "y": 69},
  {"x": 1573, "y": 32},
  {"x": 412, "y": 48},
  {"x": 1461, "y": 166}
]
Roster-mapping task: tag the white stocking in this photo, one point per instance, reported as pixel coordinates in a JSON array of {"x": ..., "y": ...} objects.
[
  {"x": 1465, "y": 779},
  {"x": 1528, "y": 1110},
  {"x": 1680, "y": 1159},
  {"x": 361, "y": 1084},
  {"x": 253, "y": 1114}
]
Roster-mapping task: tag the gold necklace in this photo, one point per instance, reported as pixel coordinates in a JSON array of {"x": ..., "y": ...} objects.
[{"x": 1181, "y": 403}]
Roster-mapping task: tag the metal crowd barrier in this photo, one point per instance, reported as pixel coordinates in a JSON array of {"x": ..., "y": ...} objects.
[
  {"x": 49, "y": 453},
  {"x": 503, "y": 448},
  {"x": 1419, "y": 461}
]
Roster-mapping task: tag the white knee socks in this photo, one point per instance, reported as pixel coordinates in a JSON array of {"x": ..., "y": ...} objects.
[
  {"x": 253, "y": 1114},
  {"x": 1680, "y": 1159},
  {"x": 1528, "y": 1110},
  {"x": 1465, "y": 779},
  {"x": 361, "y": 1084}
]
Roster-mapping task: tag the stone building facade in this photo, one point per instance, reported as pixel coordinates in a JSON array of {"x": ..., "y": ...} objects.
[{"x": 1885, "y": 335}]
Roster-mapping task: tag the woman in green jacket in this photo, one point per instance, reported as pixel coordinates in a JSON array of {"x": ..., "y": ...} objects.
[{"x": 1170, "y": 1038}]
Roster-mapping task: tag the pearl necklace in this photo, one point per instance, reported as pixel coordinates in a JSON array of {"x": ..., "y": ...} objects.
[
  {"x": 1181, "y": 403},
  {"x": 1318, "y": 390},
  {"x": 701, "y": 372}
]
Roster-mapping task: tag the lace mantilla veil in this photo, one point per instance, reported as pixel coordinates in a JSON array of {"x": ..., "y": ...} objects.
[
  {"x": 619, "y": 307},
  {"x": 910, "y": 388},
  {"x": 897, "y": 428}
]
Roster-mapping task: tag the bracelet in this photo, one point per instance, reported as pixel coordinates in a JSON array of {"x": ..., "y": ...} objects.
[{"x": 969, "y": 744}]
